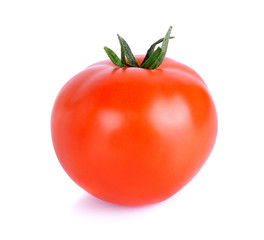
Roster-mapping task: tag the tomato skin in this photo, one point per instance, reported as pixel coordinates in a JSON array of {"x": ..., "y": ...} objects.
[{"x": 133, "y": 136}]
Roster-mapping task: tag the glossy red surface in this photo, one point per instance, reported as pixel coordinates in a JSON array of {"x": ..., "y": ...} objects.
[{"x": 133, "y": 136}]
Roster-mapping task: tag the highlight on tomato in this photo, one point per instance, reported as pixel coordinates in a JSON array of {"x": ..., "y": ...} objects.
[{"x": 134, "y": 131}]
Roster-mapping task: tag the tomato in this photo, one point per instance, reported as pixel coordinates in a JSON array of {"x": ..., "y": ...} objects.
[{"x": 133, "y": 136}]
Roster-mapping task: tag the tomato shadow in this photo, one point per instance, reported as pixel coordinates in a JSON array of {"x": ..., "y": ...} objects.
[{"x": 89, "y": 205}]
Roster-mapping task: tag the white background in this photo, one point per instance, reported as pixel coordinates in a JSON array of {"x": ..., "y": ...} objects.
[{"x": 44, "y": 43}]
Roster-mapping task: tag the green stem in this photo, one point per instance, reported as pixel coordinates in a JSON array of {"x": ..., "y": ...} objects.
[{"x": 152, "y": 60}]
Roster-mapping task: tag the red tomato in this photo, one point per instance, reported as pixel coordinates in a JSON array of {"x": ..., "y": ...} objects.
[{"x": 133, "y": 136}]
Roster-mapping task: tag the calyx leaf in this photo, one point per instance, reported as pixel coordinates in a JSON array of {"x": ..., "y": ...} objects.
[{"x": 152, "y": 60}]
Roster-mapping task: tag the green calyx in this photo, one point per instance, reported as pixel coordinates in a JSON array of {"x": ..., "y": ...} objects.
[{"x": 153, "y": 57}]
